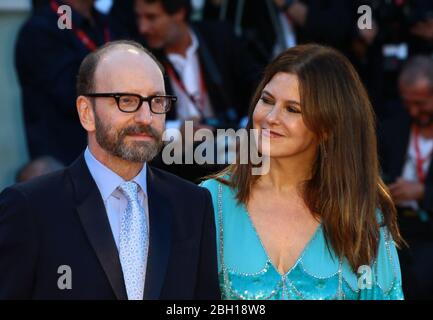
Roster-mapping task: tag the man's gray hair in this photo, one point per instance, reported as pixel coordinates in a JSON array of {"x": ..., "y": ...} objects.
[{"x": 417, "y": 68}]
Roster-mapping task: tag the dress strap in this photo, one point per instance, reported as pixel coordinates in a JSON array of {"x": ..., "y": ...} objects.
[
  {"x": 226, "y": 282},
  {"x": 220, "y": 225}
]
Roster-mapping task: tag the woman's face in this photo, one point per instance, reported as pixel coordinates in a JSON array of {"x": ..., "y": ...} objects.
[{"x": 279, "y": 111}]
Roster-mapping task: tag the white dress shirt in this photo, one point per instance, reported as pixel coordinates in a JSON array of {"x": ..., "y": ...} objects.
[
  {"x": 288, "y": 35},
  {"x": 189, "y": 70},
  {"x": 114, "y": 200},
  {"x": 409, "y": 169}
]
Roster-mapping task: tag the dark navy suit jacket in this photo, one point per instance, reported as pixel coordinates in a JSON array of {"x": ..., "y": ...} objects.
[{"x": 60, "y": 219}]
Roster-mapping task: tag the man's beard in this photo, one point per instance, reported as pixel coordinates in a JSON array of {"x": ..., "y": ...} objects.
[
  {"x": 427, "y": 122},
  {"x": 135, "y": 151}
]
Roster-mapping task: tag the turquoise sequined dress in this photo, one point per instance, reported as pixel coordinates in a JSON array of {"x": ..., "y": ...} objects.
[{"x": 246, "y": 272}]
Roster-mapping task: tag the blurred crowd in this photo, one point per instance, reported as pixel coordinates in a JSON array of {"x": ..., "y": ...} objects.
[{"x": 214, "y": 51}]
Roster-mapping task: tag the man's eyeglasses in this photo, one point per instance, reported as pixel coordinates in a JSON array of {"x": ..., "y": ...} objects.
[{"x": 131, "y": 102}]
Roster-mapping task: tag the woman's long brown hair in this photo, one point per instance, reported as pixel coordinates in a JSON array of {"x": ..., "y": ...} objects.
[{"x": 346, "y": 189}]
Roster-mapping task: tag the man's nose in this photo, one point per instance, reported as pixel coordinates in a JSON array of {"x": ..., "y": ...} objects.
[
  {"x": 143, "y": 26},
  {"x": 413, "y": 110},
  {"x": 144, "y": 115}
]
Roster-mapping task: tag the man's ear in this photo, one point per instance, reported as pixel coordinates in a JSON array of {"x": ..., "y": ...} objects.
[
  {"x": 86, "y": 113},
  {"x": 181, "y": 15}
]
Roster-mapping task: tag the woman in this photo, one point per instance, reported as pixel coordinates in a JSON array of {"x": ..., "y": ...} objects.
[{"x": 320, "y": 224}]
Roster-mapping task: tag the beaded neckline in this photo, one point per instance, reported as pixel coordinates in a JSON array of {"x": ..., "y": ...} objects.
[
  {"x": 286, "y": 285},
  {"x": 269, "y": 260}
]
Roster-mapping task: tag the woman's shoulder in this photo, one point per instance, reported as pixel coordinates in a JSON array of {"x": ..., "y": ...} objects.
[
  {"x": 223, "y": 195},
  {"x": 209, "y": 184},
  {"x": 213, "y": 184}
]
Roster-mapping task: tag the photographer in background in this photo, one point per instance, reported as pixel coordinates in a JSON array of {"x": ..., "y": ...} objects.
[{"x": 406, "y": 149}]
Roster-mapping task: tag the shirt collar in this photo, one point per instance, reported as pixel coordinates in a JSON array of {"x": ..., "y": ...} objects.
[
  {"x": 194, "y": 44},
  {"x": 107, "y": 180},
  {"x": 190, "y": 51}
]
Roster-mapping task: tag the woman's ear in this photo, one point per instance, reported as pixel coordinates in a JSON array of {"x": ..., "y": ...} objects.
[{"x": 86, "y": 113}]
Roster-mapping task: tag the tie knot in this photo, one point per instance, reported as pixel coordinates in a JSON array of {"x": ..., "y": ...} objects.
[{"x": 130, "y": 190}]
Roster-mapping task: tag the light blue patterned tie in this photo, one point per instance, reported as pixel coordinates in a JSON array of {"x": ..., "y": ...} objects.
[{"x": 133, "y": 243}]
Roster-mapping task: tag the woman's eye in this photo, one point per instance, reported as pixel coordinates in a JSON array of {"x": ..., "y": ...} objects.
[
  {"x": 266, "y": 100},
  {"x": 292, "y": 109}
]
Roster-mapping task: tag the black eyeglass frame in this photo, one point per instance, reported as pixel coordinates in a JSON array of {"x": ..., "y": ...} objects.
[{"x": 118, "y": 95}]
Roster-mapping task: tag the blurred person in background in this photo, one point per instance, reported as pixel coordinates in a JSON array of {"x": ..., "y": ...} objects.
[
  {"x": 207, "y": 67},
  {"x": 38, "y": 167},
  {"x": 401, "y": 29},
  {"x": 272, "y": 26},
  {"x": 47, "y": 59},
  {"x": 406, "y": 149},
  {"x": 122, "y": 13}
]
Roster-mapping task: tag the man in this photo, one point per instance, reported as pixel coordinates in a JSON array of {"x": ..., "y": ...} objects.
[
  {"x": 208, "y": 68},
  {"x": 109, "y": 226},
  {"x": 47, "y": 59},
  {"x": 207, "y": 65},
  {"x": 406, "y": 148}
]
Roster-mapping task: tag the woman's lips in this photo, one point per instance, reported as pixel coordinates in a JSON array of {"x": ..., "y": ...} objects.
[{"x": 271, "y": 134}]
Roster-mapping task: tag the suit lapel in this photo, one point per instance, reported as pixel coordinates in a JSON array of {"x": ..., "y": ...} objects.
[
  {"x": 160, "y": 221},
  {"x": 93, "y": 216},
  {"x": 430, "y": 171}
]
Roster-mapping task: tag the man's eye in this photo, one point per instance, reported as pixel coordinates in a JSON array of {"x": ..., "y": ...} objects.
[{"x": 128, "y": 100}]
